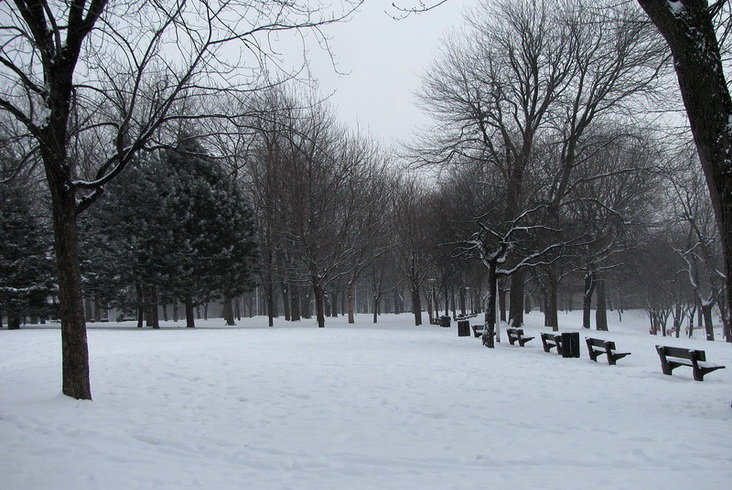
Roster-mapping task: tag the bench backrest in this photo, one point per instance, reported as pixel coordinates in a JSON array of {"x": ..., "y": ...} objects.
[
  {"x": 515, "y": 331},
  {"x": 681, "y": 352},
  {"x": 601, "y": 343}
]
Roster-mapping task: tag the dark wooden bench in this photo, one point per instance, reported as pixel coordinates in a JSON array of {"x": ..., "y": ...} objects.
[
  {"x": 673, "y": 357},
  {"x": 598, "y": 347},
  {"x": 517, "y": 335},
  {"x": 551, "y": 340}
]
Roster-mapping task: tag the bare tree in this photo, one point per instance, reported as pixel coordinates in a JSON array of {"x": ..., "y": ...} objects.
[
  {"x": 413, "y": 240},
  {"x": 690, "y": 29},
  {"x": 491, "y": 93},
  {"x": 695, "y": 237},
  {"x": 120, "y": 70}
]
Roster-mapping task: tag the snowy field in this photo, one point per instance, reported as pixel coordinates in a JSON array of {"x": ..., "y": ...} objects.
[{"x": 391, "y": 406}]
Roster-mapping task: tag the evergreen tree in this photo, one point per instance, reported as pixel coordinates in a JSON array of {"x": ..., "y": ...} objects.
[
  {"x": 217, "y": 248},
  {"x": 175, "y": 227},
  {"x": 26, "y": 267}
]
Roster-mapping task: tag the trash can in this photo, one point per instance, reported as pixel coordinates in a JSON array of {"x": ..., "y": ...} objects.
[
  {"x": 570, "y": 344},
  {"x": 463, "y": 328},
  {"x": 445, "y": 321}
]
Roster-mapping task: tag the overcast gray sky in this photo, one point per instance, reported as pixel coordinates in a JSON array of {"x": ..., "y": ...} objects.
[{"x": 383, "y": 59}]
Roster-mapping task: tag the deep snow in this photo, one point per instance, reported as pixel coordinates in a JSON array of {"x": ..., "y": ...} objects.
[{"x": 387, "y": 406}]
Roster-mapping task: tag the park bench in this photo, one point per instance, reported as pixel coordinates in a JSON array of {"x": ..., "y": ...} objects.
[
  {"x": 567, "y": 343},
  {"x": 477, "y": 329},
  {"x": 551, "y": 340},
  {"x": 673, "y": 357},
  {"x": 517, "y": 334},
  {"x": 598, "y": 347}
]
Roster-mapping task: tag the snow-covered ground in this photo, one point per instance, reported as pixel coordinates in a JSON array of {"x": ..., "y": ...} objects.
[{"x": 390, "y": 406}]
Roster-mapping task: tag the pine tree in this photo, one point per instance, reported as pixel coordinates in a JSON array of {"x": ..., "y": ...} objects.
[
  {"x": 26, "y": 267},
  {"x": 174, "y": 227}
]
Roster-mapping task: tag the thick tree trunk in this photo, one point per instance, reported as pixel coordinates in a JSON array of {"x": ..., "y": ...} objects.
[
  {"x": 319, "y": 295},
  {"x": 269, "y": 293},
  {"x": 295, "y": 302},
  {"x": 708, "y": 321},
  {"x": 516, "y": 308},
  {"x": 190, "y": 317},
  {"x": 677, "y": 320},
  {"x": 228, "y": 311},
  {"x": 74, "y": 347},
  {"x": 151, "y": 301},
  {"x": 462, "y": 299},
  {"x": 416, "y": 305},
  {"x": 489, "y": 324},
  {"x": 334, "y": 304},
  {"x": 690, "y": 33},
  {"x": 690, "y": 332},
  {"x": 601, "y": 312}
]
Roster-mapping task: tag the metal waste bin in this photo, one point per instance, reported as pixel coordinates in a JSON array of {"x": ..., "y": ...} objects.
[
  {"x": 463, "y": 328},
  {"x": 445, "y": 321},
  {"x": 570, "y": 344}
]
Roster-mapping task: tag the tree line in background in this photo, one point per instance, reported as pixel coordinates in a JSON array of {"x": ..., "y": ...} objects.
[{"x": 544, "y": 176}]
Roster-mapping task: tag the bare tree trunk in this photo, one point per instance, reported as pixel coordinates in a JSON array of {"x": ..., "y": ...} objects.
[
  {"x": 228, "y": 311},
  {"x": 601, "y": 313},
  {"x": 708, "y": 321},
  {"x": 319, "y": 295},
  {"x": 551, "y": 316},
  {"x": 286, "y": 300},
  {"x": 416, "y": 305},
  {"x": 190, "y": 317},
  {"x": 489, "y": 325},
  {"x": 502, "y": 303},
  {"x": 377, "y": 306},
  {"x": 151, "y": 301},
  {"x": 430, "y": 316},
  {"x": 269, "y": 294},
  {"x": 516, "y": 308},
  {"x": 587, "y": 299},
  {"x": 74, "y": 346},
  {"x": 461, "y": 299},
  {"x": 351, "y": 303},
  {"x": 295, "y": 302},
  {"x": 140, "y": 306}
]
